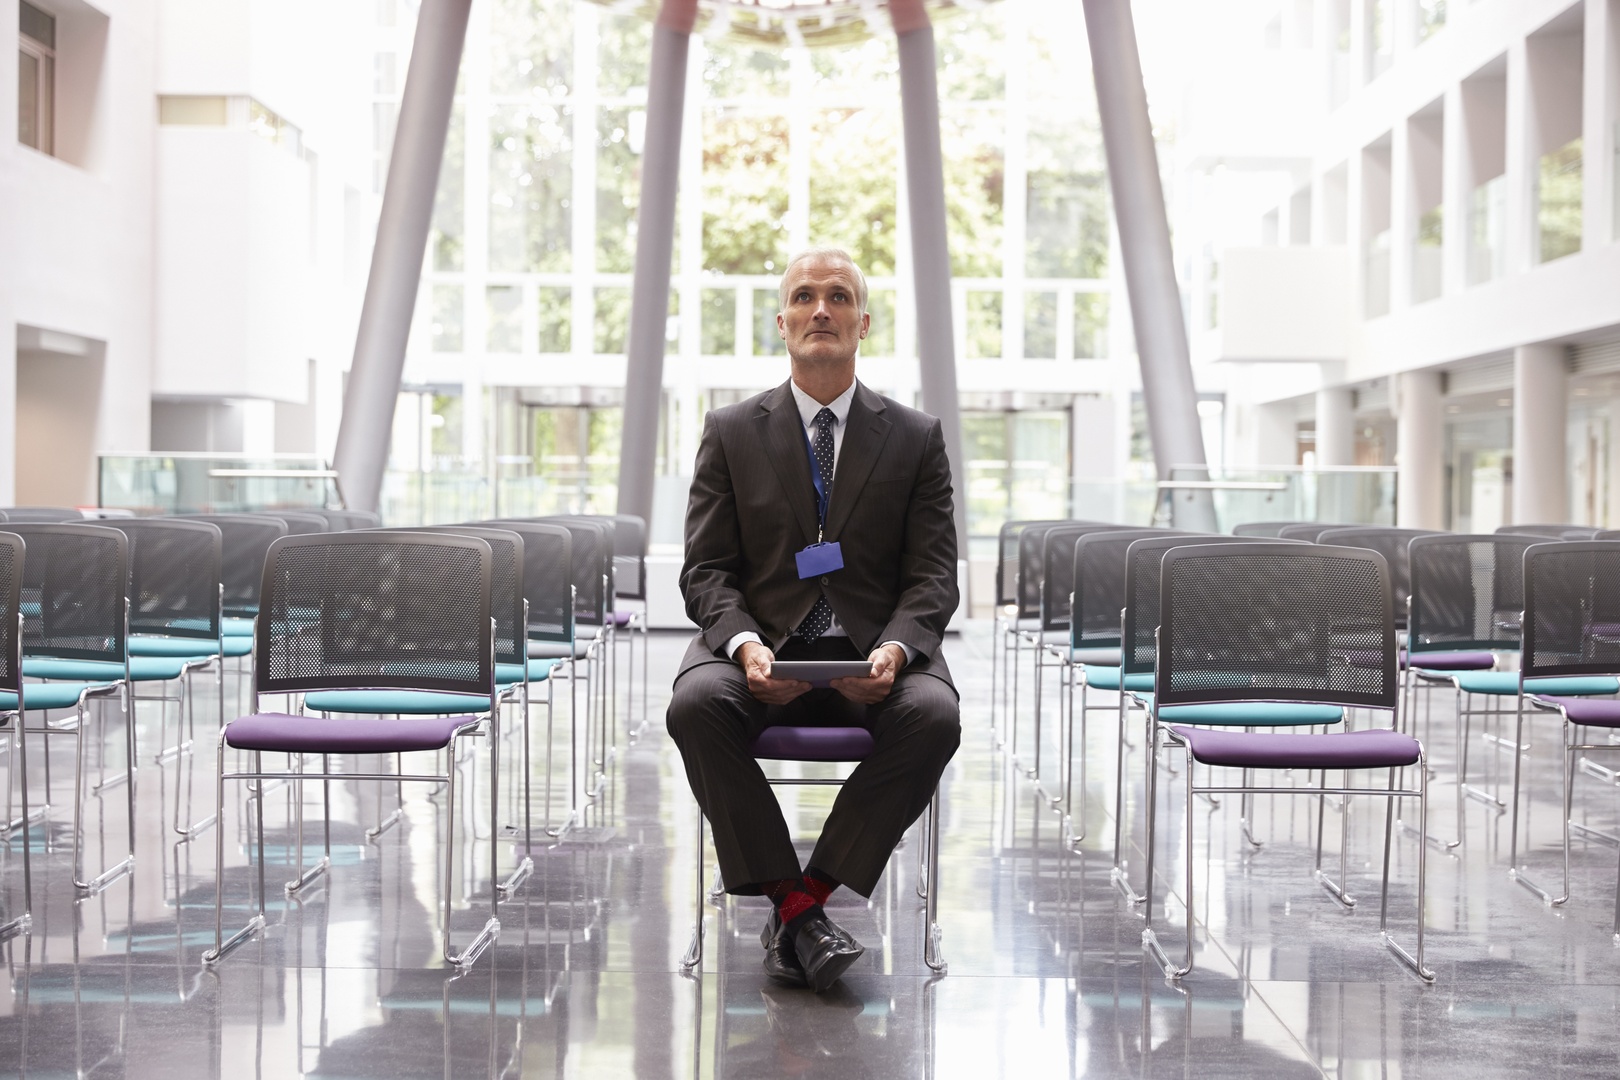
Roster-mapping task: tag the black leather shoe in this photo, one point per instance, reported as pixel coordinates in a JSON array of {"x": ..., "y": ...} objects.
[
  {"x": 825, "y": 951},
  {"x": 781, "y": 961}
]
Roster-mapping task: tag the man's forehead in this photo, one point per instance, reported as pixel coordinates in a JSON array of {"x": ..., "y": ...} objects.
[{"x": 822, "y": 270}]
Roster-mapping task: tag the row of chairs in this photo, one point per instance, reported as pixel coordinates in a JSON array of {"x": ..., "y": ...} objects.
[
  {"x": 164, "y": 572},
  {"x": 1100, "y": 590}
]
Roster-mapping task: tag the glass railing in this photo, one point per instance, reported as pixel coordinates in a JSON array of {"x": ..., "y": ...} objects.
[
  {"x": 1426, "y": 249},
  {"x": 1558, "y": 202},
  {"x": 1375, "y": 277},
  {"x": 1351, "y": 495},
  {"x": 179, "y": 483},
  {"x": 1487, "y": 231}
]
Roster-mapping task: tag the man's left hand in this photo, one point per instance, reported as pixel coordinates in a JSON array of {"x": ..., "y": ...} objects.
[{"x": 887, "y": 660}]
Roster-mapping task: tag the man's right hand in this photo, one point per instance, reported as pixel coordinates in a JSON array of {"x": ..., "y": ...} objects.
[{"x": 756, "y": 662}]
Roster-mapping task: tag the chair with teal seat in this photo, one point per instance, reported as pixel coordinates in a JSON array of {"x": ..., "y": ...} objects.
[
  {"x": 1468, "y": 597},
  {"x": 1570, "y": 634},
  {"x": 548, "y": 587},
  {"x": 368, "y": 610},
  {"x": 12, "y": 921},
  {"x": 1243, "y": 625},
  {"x": 74, "y": 630},
  {"x": 1137, "y": 671},
  {"x": 1007, "y": 620},
  {"x": 630, "y": 583}
]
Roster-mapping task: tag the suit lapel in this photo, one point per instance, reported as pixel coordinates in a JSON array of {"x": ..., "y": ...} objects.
[
  {"x": 785, "y": 447},
  {"x": 864, "y": 435}
]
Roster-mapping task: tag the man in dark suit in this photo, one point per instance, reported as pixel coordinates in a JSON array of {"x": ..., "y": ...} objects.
[{"x": 756, "y": 504}]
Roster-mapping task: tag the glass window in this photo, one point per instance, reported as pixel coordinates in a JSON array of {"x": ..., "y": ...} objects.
[
  {"x": 880, "y": 338},
  {"x": 504, "y": 307},
  {"x": 1040, "y": 325},
  {"x": 1068, "y": 214},
  {"x": 860, "y": 71},
  {"x": 447, "y": 318},
  {"x": 36, "y": 24},
  {"x": 745, "y": 191},
  {"x": 736, "y": 70},
  {"x": 36, "y": 79},
  {"x": 1558, "y": 202},
  {"x": 983, "y": 325},
  {"x": 531, "y": 47},
  {"x": 530, "y": 188},
  {"x": 620, "y": 134},
  {"x": 1090, "y": 325},
  {"x": 556, "y": 319},
  {"x": 448, "y": 238},
  {"x": 972, "y": 56},
  {"x": 974, "y": 174},
  {"x": 192, "y": 111},
  {"x": 624, "y": 54},
  {"x": 612, "y": 319},
  {"x": 852, "y": 184},
  {"x": 719, "y": 322},
  {"x": 768, "y": 339}
]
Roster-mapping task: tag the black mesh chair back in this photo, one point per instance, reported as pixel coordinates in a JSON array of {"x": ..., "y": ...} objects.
[
  {"x": 244, "y": 540},
  {"x": 42, "y": 515},
  {"x": 629, "y": 557},
  {"x": 174, "y": 577},
  {"x": 1143, "y": 562},
  {"x": 506, "y": 591},
  {"x": 1607, "y": 534},
  {"x": 1584, "y": 532},
  {"x": 1308, "y": 531},
  {"x": 11, "y": 571},
  {"x": 1007, "y": 559},
  {"x": 1268, "y": 529},
  {"x": 1392, "y": 544},
  {"x": 1571, "y": 609},
  {"x": 1057, "y": 569},
  {"x": 1467, "y": 591},
  {"x": 1099, "y": 584},
  {"x": 298, "y": 522},
  {"x": 376, "y": 609},
  {"x": 592, "y": 556},
  {"x": 548, "y": 578},
  {"x": 1031, "y": 581},
  {"x": 345, "y": 520},
  {"x": 1276, "y": 622},
  {"x": 1548, "y": 532},
  {"x": 74, "y": 583}
]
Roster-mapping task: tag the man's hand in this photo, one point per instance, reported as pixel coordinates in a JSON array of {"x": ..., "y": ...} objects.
[
  {"x": 756, "y": 664},
  {"x": 887, "y": 660}
]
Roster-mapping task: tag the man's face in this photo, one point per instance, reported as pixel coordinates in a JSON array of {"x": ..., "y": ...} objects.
[{"x": 823, "y": 320}]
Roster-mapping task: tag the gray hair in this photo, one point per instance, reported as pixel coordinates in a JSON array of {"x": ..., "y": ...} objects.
[{"x": 828, "y": 252}]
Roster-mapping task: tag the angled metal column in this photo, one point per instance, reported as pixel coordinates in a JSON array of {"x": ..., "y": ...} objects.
[
  {"x": 930, "y": 256},
  {"x": 396, "y": 260},
  {"x": 655, "y": 242},
  {"x": 1144, "y": 240}
]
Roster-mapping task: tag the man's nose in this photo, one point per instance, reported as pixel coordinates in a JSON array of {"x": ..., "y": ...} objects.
[{"x": 821, "y": 310}]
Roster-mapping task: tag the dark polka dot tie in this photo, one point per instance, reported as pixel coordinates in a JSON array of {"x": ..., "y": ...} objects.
[{"x": 820, "y": 618}]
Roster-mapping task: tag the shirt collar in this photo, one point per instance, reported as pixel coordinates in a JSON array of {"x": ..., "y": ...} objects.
[{"x": 810, "y": 408}]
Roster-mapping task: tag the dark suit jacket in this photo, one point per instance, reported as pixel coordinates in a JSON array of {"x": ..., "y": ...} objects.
[{"x": 753, "y": 506}]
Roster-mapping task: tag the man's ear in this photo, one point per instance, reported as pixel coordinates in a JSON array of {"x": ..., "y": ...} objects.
[
  {"x": 866, "y": 323},
  {"x": 781, "y": 326}
]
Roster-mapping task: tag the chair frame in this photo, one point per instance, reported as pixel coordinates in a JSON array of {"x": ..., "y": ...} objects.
[
  {"x": 11, "y": 681},
  {"x": 1164, "y": 694},
  {"x": 262, "y": 645},
  {"x": 927, "y": 876}
]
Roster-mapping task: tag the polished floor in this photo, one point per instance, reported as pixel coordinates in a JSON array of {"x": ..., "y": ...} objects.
[{"x": 1047, "y": 974}]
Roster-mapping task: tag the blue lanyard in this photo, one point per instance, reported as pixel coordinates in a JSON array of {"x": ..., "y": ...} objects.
[{"x": 822, "y": 497}]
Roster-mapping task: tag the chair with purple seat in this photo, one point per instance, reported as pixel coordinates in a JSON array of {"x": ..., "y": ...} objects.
[
  {"x": 1571, "y": 630},
  {"x": 838, "y": 745},
  {"x": 1244, "y": 626},
  {"x": 323, "y": 626},
  {"x": 1467, "y": 599}
]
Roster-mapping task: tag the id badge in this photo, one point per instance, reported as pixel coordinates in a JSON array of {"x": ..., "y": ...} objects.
[{"x": 818, "y": 559}]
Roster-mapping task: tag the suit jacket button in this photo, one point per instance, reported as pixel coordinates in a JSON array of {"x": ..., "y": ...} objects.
[{"x": 824, "y": 579}]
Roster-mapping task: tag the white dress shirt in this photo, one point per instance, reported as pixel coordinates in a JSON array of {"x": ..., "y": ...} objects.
[{"x": 809, "y": 409}]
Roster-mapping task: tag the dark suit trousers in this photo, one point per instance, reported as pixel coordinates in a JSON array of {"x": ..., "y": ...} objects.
[{"x": 714, "y": 719}]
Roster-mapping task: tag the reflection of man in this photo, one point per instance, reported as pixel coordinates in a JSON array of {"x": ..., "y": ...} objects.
[{"x": 756, "y": 504}]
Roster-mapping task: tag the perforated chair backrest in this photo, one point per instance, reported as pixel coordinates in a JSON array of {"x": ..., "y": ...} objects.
[
  {"x": 593, "y": 566},
  {"x": 243, "y": 539},
  {"x": 1308, "y": 531},
  {"x": 506, "y": 591},
  {"x": 345, "y": 520},
  {"x": 1032, "y": 561},
  {"x": 1546, "y": 531},
  {"x": 548, "y": 577},
  {"x": 75, "y": 580},
  {"x": 1143, "y": 563},
  {"x": 1099, "y": 584},
  {"x": 42, "y": 515},
  {"x": 1584, "y": 532},
  {"x": 1571, "y": 609},
  {"x": 629, "y": 557},
  {"x": 1467, "y": 591},
  {"x": 376, "y": 609},
  {"x": 1056, "y": 573},
  {"x": 1607, "y": 534},
  {"x": 1007, "y": 560},
  {"x": 11, "y": 571},
  {"x": 1276, "y": 622},
  {"x": 1392, "y": 544},
  {"x": 298, "y": 522},
  {"x": 1269, "y": 529},
  {"x": 174, "y": 577}
]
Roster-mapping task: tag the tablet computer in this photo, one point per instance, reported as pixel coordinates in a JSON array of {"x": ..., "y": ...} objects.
[{"x": 820, "y": 672}]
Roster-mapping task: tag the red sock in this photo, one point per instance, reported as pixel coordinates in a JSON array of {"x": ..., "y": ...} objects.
[
  {"x": 790, "y": 897},
  {"x": 818, "y": 885}
]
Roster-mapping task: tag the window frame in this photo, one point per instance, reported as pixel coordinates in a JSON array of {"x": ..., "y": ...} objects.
[{"x": 44, "y": 117}]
